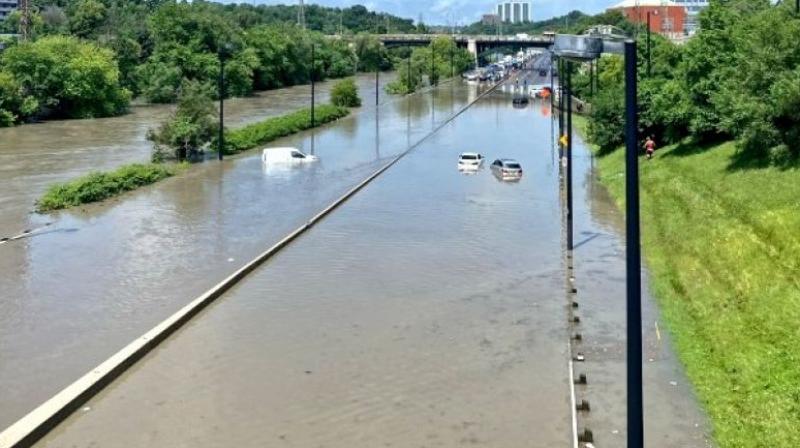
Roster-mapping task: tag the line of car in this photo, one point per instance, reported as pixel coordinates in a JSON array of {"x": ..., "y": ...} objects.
[{"x": 506, "y": 170}]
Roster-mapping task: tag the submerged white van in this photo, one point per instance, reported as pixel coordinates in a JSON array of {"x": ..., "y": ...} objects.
[{"x": 286, "y": 156}]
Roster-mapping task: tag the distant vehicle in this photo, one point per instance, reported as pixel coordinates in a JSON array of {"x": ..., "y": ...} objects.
[
  {"x": 286, "y": 156},
  {"x": 540, "y": 91},
  {"x": 469, "y": 161},
  {"x": 520, "y": 101},
  {"x": 522, "y": 36},
  {"x": 507, "y": 169},
  {"x": 542, "y": 72},
  {"x": 471, "y": 76}
]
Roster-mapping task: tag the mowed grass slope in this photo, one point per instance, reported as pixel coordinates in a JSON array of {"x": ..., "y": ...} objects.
[{"x": 723, "y": 245}]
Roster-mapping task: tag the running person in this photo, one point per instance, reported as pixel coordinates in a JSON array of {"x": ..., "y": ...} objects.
[{"x": 650, "y": 147}]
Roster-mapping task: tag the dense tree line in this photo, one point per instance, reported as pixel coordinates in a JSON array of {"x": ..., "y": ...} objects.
[
  {"x": 573, "y": 22},
  {"x": 87, "y": 58},
  {"x": 738, "y": 78},
  {"x": 441, "y": 59}
]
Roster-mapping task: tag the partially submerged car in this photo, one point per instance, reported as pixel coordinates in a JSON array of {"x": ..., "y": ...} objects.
[
  {"x": 507, "y": 169},
  {"x": 470, "y": 161},
  {"x": 286, "y": 155}
]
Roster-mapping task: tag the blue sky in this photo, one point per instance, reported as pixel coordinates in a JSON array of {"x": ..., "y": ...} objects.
[{"x": 460, "y": 11}]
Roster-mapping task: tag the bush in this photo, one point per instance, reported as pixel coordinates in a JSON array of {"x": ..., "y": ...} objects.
[
  {"x": 273, "y": 128},
  {"x": 67, "y": 77},
  {"x": 191, "y": 127},
  {"x": 345, "y": 94},
  {"x": 99, "y": 185}
]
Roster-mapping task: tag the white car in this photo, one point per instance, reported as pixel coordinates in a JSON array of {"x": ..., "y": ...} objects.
[
  {"x": 286, "y": 156},
  {"x": 469, "y": 161}
]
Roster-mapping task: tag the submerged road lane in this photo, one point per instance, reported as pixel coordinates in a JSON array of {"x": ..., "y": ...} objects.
[
  {"x": 427, "y": 311},
  {"x": 103, "y": 274}
]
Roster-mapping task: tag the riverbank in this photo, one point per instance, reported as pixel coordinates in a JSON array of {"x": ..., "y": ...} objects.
[
  {"x": 721, "y": 245},
  {"x": 98, "y": 186}
]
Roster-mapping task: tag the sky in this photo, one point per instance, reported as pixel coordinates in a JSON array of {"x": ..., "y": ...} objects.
[{"x": 444, "y": 12}]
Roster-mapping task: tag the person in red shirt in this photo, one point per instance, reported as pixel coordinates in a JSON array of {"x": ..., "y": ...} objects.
[{"x": 650, "y": 147}]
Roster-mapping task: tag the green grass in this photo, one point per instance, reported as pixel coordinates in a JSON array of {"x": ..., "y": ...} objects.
[
  {"x": 97, "y": 186},
  {"x": 273, "y": 128},
  {"x": 723, "y": 247}
]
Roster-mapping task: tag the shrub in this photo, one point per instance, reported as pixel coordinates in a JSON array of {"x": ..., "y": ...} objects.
[
  {"x": 101, "y": 185},
  {"x": 191, "y": 127},
  {"x": 69, "y": 77},
  {"x": 273, "y": 128},
  {"x": 345, "y": 94}
]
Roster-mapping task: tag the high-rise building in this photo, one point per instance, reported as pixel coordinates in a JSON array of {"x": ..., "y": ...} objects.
[
  {"x": 514, "y": 11},
  {"x": 6, "y": 6},
  {"x": 693, "y": 8}
]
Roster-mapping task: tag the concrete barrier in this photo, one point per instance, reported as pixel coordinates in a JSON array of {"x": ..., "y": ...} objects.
[{"x": 33, "y": 426}]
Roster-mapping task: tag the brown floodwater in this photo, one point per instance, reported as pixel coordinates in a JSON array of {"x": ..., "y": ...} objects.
[
  {"x": 100, "y": 275},
  {"x": 429, "y": 310},
  {"x": 34, "y": 156}
]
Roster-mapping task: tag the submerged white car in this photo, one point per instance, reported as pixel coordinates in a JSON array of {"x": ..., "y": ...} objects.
[
  {"x": 469, "y": 161},
  {"x": 286, "y": 156}
]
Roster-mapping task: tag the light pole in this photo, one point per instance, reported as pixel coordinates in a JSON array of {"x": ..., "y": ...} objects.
[
  {"x": 312, "y": 72},
  {"x": 569, "y": 158},
  {"x": 433, "y": 63},
  {"x": 222, "y": 53},
  {"x": 588, "y": 48}
]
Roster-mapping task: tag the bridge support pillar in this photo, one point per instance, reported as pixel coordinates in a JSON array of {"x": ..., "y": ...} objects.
[{"x": 472, "y": 47}]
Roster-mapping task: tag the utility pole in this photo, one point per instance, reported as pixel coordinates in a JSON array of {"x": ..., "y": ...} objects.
[
  {"x": 301, "y": 15},
  {"x": 24, "y": 20}
]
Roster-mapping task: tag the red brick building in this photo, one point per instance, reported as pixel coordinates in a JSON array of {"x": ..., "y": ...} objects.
[{"x": 666, "y": 18}]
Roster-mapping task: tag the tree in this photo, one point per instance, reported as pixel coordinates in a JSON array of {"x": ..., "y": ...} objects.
[
  {"x": 345, "y": 94},
  {"x": 190, "y": 128},
  {"x": 67, "y": 77},
  {"x": 86, "y": 17},
  {"x": 15, "y": 105}
]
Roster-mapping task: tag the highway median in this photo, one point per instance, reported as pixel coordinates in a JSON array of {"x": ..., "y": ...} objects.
[{"x": 100, "y": 185}]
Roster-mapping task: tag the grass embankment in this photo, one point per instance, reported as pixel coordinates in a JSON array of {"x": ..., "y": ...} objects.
[
  {"x": 98, "y": 186},
  {"x": 723, "y": 247}
]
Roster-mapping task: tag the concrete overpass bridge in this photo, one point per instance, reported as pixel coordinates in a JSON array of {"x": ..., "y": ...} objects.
[{"x": 476, "y": 44}]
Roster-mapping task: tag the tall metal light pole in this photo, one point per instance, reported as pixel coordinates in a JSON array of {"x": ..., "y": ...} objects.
[
  {"x": 586, "y": 48},
  {"x": 433, "y": 63},
  {"x": 312, "y": 75},
  {"x": 221, "y": 92},
  {"x": 569, "y": 158},
  {"x": 452, "y": 59},
  {"x": 633, "y": 256}
]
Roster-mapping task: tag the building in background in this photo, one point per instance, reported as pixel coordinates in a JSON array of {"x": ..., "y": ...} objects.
[
  {"x": 514, "y": 11},
  {"x": 666, "y": 17},
  {"x": 6, "y": 6},
  {"x": 490, "y": 19},
  {"x": 693, "y": 8}
]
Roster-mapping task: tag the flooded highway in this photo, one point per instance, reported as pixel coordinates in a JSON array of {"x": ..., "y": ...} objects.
[
  {"x": 429, "y": 310},
  {"x": 34, "y": 156},
  {"x": 101, "y": 275}
]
